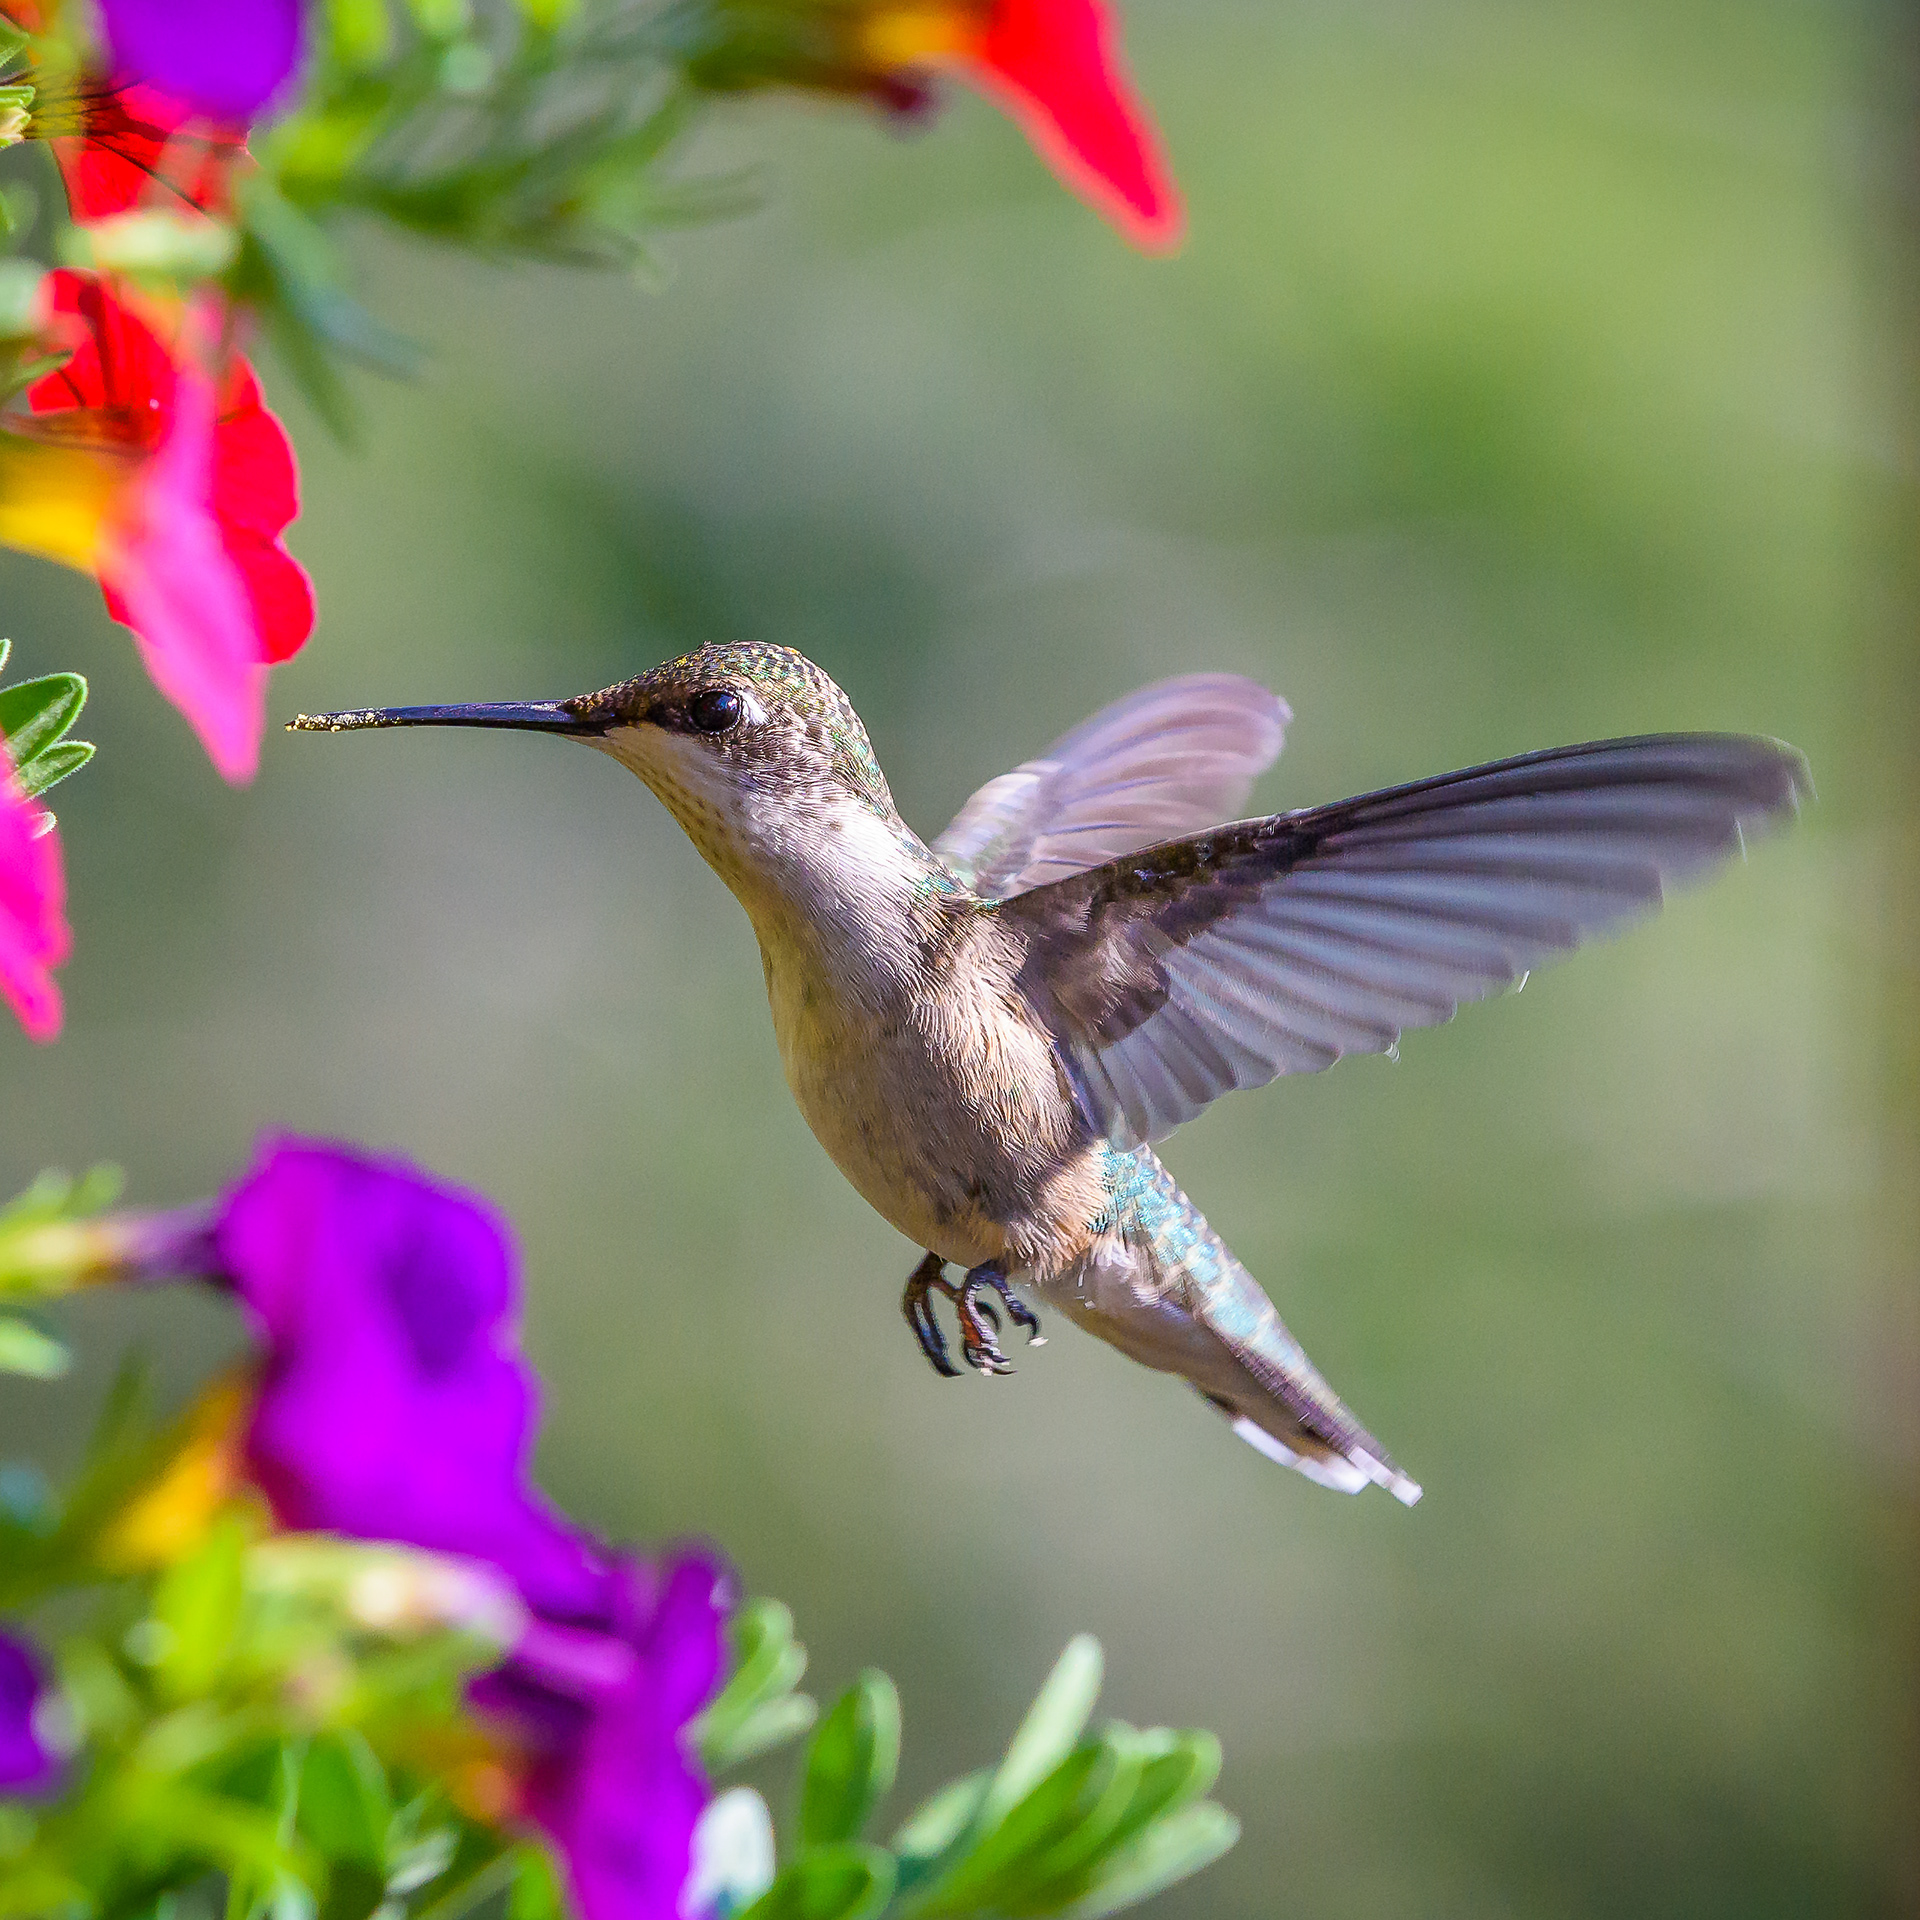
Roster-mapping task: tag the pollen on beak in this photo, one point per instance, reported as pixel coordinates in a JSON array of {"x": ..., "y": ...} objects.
[{"x": 577, "y": 717}]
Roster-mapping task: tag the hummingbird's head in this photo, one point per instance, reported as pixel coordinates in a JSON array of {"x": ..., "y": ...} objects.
[{"x": 754, "y": 750}]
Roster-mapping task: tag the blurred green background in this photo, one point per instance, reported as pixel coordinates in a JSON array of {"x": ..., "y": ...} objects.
[{"x": 1532, "y": 374}]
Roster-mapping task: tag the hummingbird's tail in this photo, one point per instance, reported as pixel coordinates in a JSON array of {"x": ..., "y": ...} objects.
[{"x": 1162, "y": 1286}]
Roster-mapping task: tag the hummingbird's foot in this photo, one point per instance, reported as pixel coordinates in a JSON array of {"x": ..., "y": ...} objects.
[
  {"x": 980, "y": 1324},
  {"x": 930, "y": 1277}
]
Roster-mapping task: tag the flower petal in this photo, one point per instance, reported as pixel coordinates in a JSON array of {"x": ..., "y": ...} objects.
[
  {"x": 29, "y": 1759},
  {"x": 192, "y": 560},
  {"x": 256, "y": 492},
  {"x": 394, "y": 1404},
  {"x": 191, "y": 616},
  {"x": 122, "y": 147},
  {"x": 119, "y": 369},
  {"x": 1054, "y": 66},
  {"x": 227, "y": 58},
  {"x": 612, "y": 1783},
  {"x": 34, "y": 937}
]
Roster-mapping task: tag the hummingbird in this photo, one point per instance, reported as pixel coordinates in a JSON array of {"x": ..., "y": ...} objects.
[{"x": 989, "y": 1033}]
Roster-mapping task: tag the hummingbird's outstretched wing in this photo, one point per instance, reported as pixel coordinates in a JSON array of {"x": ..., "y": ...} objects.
[
  {"x": 1275, "y": 946},
  {"x": 1174, "y": 757}
]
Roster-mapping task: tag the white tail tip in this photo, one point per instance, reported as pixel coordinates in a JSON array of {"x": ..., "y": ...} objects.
[{"x": 1343, "y": 1476}]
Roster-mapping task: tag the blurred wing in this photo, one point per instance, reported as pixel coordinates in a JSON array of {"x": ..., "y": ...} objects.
[
  {"x": 1170, "y": 759},
  {"x": 1275, "y": 946}
]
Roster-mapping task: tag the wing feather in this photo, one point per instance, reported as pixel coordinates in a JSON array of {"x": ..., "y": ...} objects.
[
  {"x": 1175, "y": 974},
  {"x": 1167, "y": 760}
]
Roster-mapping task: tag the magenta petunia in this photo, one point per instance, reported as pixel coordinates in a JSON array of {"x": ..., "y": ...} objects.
[
  {"x": 226, "y": 58},
  {"x": 393, "y": 1404},
  {"x": 30, "y": 1762},
  {"x": 607, "y": 1771},
  {"x": 34, "y": 938}
]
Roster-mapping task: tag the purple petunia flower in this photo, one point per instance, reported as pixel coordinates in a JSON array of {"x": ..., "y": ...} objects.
[
  {"x": 608, "y": 1775},
  {"x": 394, "y": 1404},
  {"x": 29, "y": 1761},
  {"x": 225, "y": 58}
]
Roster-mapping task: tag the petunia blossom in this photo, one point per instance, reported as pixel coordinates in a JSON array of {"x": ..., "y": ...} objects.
[
  {"x": 392, "y": 1403},
  {"x": 1055, "y": 68},
  {"x": 122, "y": 146},
  {"x": 34, "y": 938},
  {"x": 227, "y": 59},
  {"x": 604, "y": 1769},
  {"x": 173, "y": 488},
  {"x": 30, "y": 1753}
]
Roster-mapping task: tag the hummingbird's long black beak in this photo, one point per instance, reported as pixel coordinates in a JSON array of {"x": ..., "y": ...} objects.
[{"x": 527, "y": 716}]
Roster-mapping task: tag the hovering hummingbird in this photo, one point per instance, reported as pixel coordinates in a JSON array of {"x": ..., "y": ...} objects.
[{"x": 988, "y": 1034}]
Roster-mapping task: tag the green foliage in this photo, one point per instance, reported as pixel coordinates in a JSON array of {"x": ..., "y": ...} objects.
[
  {"x": 511, "y": 129},
  {"x": 757, "y": 1709},
  {"x": 842, "y": 1881},
  {"x": 245, "y": 1720},
  {"x": 248, "y": 1728},
  {"x": 42, "y": 1252},
  {"x": 276, "y": 1720},
  {"x": 851, "y": 1762},
  {"x": 1070, "y": 1822},
  {"x": 34, "y": 718},
  {"x": 31, "y": 1350}
]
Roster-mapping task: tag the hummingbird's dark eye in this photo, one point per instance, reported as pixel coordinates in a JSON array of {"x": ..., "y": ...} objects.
[{"x": 715, "y": 710}]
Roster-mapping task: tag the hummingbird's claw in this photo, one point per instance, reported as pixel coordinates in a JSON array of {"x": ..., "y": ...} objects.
[
  {"x": 979, "y": 1323},
  {"x": 979, "y": 1319},
  {"x": 915, "y": 1304}
]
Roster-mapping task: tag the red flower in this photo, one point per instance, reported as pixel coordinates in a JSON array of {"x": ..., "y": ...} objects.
[
  {"x": 122, "y": 144},
  {"x": 1055, "y": 68},
  {"x": 121, "y": 147},
  {"x": 173, "y": 489}
]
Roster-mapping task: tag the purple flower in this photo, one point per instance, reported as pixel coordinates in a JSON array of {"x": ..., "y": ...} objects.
[
  {"x": 393, "y": 1404},
  {"x": 225, "y": 58},
  {"x": 29, "y": 1761},
  {"x": 607, "y": 1774}
]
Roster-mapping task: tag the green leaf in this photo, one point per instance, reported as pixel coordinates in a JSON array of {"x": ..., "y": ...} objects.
[
  {"x": 32, "y": 1889},
  {"x": 122, "y": 1453},
  {"x": 535, "y": 1894},
  {"x": 1058, "y": 1866},
  {"x": 1166, "y": 1853},
  {"x": 936, "y": 1824},
  {"x": 34, "y": 714},
  {"x": 766, "y": 1728},
  {"x": 844, "y": 1882},
  {"x": 1152, "y": 1774},
  {"x": 52, "y": 764},
  {"x": 243, "y": 1841},
  {"x": 992, "y": 1868},
  {"x": 1047, "y": 1735},
  {"x": 24, "y": 1349},
  {"x": 757, "y": 1708},
  {"x": 55, "y": 1195},
  {"x": 1179, "y": 1767},
  {"x": 851, "y": 1761},
  {"x": 197, "y": 1604},
  {"x": 344, "y": 1803}
]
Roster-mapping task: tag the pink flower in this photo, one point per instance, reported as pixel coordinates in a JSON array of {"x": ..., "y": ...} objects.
[{"x": 33, "y": 924}]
